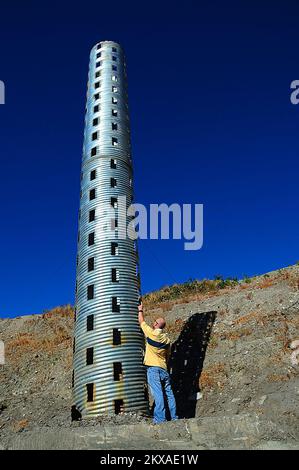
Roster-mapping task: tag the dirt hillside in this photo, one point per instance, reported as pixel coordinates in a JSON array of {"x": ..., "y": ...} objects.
[{"x": 232, "y": 356}]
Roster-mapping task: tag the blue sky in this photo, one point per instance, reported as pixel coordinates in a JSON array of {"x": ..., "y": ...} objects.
[{"x": 212, "y": 123}]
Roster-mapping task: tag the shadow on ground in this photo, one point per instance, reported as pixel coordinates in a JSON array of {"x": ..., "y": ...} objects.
[{"x": 186, "y": 361}]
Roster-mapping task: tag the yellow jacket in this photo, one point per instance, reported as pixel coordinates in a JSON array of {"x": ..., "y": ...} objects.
[{"x": 157, "y": 346}]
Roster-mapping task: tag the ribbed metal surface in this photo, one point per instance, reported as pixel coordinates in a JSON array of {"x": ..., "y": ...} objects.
[{"x": 112, "y": 109}]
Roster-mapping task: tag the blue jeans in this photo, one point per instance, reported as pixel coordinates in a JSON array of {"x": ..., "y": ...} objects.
[{"x": 159, "y": 380}]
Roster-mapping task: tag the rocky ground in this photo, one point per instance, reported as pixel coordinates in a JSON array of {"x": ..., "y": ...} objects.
[{"x": 234, "y": 373}]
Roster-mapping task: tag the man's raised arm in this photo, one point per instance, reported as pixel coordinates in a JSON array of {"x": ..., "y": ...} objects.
[
  {"x": 147, "y": 330},
  {"x": 140, "y": 314}
]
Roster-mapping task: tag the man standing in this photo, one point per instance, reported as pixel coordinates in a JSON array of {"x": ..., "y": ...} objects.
[{"x": 155, "y": 360}]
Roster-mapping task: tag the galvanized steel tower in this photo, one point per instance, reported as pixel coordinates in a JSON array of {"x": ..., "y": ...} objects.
[{"x": 108, "y": 374}]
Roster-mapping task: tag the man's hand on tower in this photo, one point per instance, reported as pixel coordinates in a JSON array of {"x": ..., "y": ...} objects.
[{"x": 140, "y": 313}]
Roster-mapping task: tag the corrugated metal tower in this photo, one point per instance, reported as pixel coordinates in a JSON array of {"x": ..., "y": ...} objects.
[{"x": 108, "y": 374}]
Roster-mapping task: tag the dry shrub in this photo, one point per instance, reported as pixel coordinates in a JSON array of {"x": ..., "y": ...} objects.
[
  {"x": 22, "y": 343},
  {"x": 55, "y": 334},
  {"x": 237, "y": 334},
  {"x": 62, "y": 311},
  {"x": 187, "y": 300},
  {"x": 277, "y": 359},
  {"x": 192, "y": 290},
  {"x": 278, "y": 377},
  {"x": 265, "y": 284},
  {"x": 222, "y": 312},
  {"x": 22, "y": 340},
  {"x": 176, "y": 327},
  {"x": 213, "y": 376},
  {"x": 294, "y": 321},
  {"x": 246, "y": 318},
  {"x": 166, "y": 306},
  {"x": 294, "y": 282},
  {"x": 51, "y": 345},
  {"x": 61, "y": 334},
  {"x": 19, "y": 426},
  {"x": 213, "y": 343},
  {"x": 245, "y": 286},
  {"x": 283, "y": 337}
]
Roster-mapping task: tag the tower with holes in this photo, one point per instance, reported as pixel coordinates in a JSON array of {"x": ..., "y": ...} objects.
[{"x": 108, "y": 374}]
